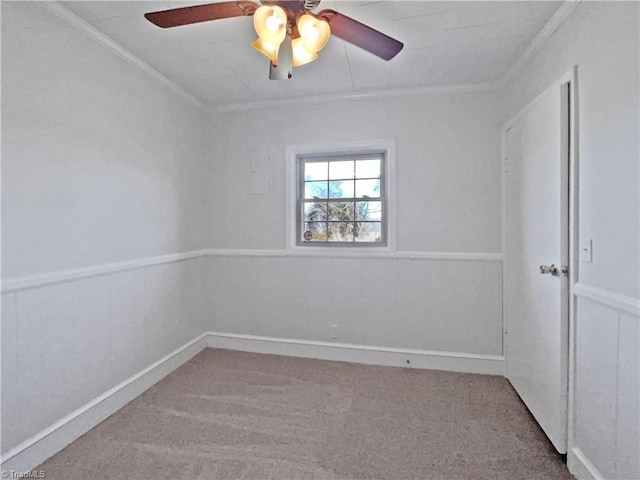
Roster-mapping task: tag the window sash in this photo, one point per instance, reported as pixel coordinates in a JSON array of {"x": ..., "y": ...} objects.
[{"x": 301, "y": 200}]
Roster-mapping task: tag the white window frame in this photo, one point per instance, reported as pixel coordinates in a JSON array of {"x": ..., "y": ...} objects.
[{"x": 332, "y": 149}]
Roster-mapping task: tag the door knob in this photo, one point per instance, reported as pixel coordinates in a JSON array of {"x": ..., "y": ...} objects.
[{"x": 552, "y": 269}]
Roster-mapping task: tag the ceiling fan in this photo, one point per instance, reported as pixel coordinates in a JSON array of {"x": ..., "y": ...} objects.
[{"x": 288, "y": 33}]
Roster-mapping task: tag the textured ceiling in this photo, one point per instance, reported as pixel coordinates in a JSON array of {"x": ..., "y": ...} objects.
[{"x": 446, "y": 43}]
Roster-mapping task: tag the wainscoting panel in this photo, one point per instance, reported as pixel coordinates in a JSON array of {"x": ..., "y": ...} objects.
[
  {"x": 452, "y": 305},
  {"x": 50, "y": 440},
  {"x": 628, "y": 410},
  {"x": 65, "y": 343},
  {"x": 597, "y": 352},
  {"x": 607, "y": 397}
]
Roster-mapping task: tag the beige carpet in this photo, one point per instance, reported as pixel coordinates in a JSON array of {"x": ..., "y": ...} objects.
[{"x": 232, "y": 415}]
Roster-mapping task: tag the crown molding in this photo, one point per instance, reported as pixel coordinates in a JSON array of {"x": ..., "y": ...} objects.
[
  {"x": 543, "y": 35},
  {"x": 378, "y": 94},
  {"x": 89, "y": 30},
  {"x": 541, "y": 38}
]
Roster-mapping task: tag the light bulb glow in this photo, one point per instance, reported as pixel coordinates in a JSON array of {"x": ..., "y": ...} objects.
[
  {"x": 270, "y": 23},
  {"x": 311, "y": 33},
  {"x": 314, "y": 32},
  {"x": 273, "y": 23},
  {"x": 301, "y": 55}
]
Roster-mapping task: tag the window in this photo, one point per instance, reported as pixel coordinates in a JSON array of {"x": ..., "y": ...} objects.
[{"x": 341, "y": 199}]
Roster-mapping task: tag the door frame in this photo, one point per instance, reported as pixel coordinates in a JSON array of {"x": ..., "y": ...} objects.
[{"x": 570, "y": 78}]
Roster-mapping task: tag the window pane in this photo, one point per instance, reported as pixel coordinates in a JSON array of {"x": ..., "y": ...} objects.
[
  {"x": 340, "y": 232},
  {"x": 315, "y": 212},
  {"x": 367, "y": 188},
  {"x": 368, "y": 169},
  {"x": 369, "y": 211},
  {"x": 318, "y": 231},
  {"x": 315, "y": 190},
  {"x": 316, "y": 170},
  {"x": 338, "y": 170},
  {"x": 341, "y": 211},
  {"x": 341, "y": 199},
  {"x": 341, "y": 189},
  {"x": 368, "y": 232}
]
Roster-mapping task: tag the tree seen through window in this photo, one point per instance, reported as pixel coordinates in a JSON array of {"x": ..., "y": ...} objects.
[{"x": 342, "y": 200}]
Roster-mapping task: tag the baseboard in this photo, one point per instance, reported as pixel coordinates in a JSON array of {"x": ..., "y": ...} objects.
[
  {"x": 372, "y": 355},
  {"x": 35, "y": 450},
  {"x": 581, "y": 467}
]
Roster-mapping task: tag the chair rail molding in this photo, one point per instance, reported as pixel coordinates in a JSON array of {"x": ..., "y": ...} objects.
[
  {"x": 611, "y": 299},
  {"x": 369, "y": 253},
  {"x": 26, "y": 282},
  {"x": 59, "y": 276}
]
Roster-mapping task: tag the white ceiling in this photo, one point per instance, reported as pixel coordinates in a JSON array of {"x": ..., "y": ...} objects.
[{"x": 445, "y": 43}]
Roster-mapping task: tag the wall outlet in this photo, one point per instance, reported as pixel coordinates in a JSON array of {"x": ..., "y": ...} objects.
[
  {"x": 334, "y": 332},
  {"x": 586, "y": 251}
]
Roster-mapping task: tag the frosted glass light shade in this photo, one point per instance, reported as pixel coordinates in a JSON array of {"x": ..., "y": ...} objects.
[
  {"x": 270, "y": 23},
  {"x": 314, "y": 32},
  {"x": 269, "y": 50},
  {"x": 300, "y": 54}
]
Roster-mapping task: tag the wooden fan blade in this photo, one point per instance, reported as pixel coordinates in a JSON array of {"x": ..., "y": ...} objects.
[
  {"x": 361, "y": 35},
  {"x": 201, "y": 13}
]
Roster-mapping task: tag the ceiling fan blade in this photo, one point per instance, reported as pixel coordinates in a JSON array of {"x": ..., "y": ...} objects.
[
  {"x": 201, "y": 13},
  {"x": 361, "y": 35}
]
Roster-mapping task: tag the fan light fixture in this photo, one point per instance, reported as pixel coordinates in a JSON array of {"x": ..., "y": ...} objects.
[
  {"x": 289, "y": 35},
  {"x": 272, "y": 27}
]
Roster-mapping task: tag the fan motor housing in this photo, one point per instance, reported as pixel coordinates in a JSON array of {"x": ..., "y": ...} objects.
[
  {"x": 294, "y": 6},
  {"x": 311, "y": 4}
]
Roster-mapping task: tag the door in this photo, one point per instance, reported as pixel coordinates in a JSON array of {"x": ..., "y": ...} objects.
[{"x": 537, "y": 256}]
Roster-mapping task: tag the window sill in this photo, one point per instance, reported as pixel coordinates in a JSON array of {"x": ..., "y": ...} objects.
[{"x": 340, "y": 252}]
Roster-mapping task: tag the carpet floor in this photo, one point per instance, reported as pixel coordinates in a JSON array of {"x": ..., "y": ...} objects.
[{"x": 233, "y": 415}]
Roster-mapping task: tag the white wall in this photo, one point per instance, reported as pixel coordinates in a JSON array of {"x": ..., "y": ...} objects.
[
  {"x": 447, "y": 158},
  {"x": 100, "y": 164},
  {"x": 448, "y": 201},
  {"x": 601, "y": 38}
]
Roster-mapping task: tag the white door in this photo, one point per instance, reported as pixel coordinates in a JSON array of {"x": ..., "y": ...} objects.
[{"x": 537, "y": 252}]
